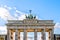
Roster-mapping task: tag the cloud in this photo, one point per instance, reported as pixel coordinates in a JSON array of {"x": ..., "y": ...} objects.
[
  {"x": 19, "y": 12},
  {"x": 5, "y": 14},
  {"x": 20, "y": 15},
  {"x": 3, "y": 30},
  {"x": 57, "y": 25},
  {"x": 57, "y": 28},
  {"x": 7, "y": 7}
]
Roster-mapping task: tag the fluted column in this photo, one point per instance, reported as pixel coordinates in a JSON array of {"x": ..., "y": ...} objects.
[
  {"x": 25, "y": 35},
  {"x": 43, "y": 35},
  {"x": 35, "y": 34},
  {"x": 8, "y": 34},
  {"x": 16, "y": 34},
  {"x": 49, "y": 35},
  {"x": 52, "y": 35}
]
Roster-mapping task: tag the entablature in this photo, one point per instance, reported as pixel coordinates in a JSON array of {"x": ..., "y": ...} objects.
[{"x": 30, "y": 21}]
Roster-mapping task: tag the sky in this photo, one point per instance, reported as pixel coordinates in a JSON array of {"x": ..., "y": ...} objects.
[{"x": 17, "y": 9}]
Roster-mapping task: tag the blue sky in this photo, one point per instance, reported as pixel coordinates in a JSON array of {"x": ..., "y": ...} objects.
[{"x": 44, "y": 9}]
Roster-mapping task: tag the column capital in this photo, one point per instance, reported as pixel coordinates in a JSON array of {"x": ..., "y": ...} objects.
[{"x": 35, "y": 29}]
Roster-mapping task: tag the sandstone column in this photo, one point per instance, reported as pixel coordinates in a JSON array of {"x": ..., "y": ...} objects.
[
  {"x": 35, "y": 34},
  {"x": 52, "y": 35},
  {"x": 16, "y": 34},
  {"x": 25, "y": 35},
  {"x": 8, "y": 34},
  {"x": 43, "y": 35},
  {"x": 49, "y": 35}
]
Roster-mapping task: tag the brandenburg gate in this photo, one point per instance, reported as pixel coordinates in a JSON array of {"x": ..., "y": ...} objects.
[{"x": 30, "y": 24}]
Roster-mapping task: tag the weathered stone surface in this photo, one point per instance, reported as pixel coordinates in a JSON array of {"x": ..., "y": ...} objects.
[{"x": 31, "y": 25}]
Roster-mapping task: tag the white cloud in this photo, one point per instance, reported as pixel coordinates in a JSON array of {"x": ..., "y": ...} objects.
[
  {"x": 20, "y": 15},
  {"x": 5, "y": 6},
  {"x": 57, "y": 25},
  {"x": 57, "y": 28},
  {"x": 3, "y": 30},
  {"x": 9, "y": 8},
  {"x": 19, "y": 12},
  {"x": 5, "y": 14}
]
